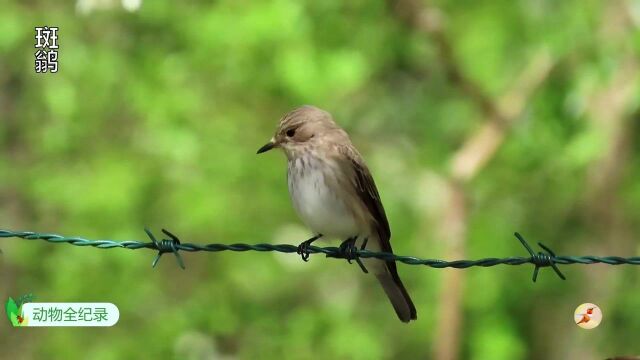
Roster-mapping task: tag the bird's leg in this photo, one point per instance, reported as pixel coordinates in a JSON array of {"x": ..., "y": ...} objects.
[{"x": 303, "y": 248}]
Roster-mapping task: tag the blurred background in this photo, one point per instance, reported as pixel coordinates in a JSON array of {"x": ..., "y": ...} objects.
[{"x": 477, "y": 119}]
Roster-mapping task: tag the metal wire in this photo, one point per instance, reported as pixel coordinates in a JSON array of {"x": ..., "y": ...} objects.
[{"x": 173, "y": 245}]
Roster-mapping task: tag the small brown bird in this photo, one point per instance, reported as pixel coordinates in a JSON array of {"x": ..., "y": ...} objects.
[{"x": 334, "y": 194}]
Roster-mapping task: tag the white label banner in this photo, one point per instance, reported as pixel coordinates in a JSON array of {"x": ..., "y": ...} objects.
[{"x": 70, "y": 314}]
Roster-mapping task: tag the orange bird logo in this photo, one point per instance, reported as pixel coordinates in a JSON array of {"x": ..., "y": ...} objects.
[{"x": 586, "y": 316}]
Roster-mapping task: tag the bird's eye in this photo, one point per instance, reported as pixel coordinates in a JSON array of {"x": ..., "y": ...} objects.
[{"x": 291, "y": 132}]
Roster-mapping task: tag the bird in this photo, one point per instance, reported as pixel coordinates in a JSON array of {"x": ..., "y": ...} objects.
[
  {"x": 585, "y": 317},
  {"x": 334, "y": 194}
]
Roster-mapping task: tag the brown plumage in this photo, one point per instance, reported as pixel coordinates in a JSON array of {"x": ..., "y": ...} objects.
[{"x": 334, "y": 193}]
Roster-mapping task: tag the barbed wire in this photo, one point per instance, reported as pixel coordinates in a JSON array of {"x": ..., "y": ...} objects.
[{"x": 346, "y": 251}]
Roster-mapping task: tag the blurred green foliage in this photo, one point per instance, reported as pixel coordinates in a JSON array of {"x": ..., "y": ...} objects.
[{"x": 154, "y": 118}]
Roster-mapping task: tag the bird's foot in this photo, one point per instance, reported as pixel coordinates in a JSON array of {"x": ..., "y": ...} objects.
[
  {"x": 348, "y": 250},
  {"x": 303, "y": 248}
]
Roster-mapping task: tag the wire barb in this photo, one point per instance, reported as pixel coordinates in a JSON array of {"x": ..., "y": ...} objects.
[
  {"x": 540, "y": 259},
  {"x": 165, "y": 246}
]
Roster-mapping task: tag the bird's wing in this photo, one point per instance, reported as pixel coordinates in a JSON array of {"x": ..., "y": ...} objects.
[
  {"x": 365, "y": 188},
  {"x": 360, "y": 179}
]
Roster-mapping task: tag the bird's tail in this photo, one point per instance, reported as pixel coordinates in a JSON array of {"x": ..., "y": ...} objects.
[{"x": 396, "y": 292}]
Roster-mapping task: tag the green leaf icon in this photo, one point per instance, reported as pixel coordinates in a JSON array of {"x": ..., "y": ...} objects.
[{"x": 12, "y": 311}]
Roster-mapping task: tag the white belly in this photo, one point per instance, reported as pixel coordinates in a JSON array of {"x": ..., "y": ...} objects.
[{"x": 318, "y": 206}]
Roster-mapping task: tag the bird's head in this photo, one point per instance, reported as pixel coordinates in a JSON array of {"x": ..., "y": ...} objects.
[{"x": 302, "y": 128}]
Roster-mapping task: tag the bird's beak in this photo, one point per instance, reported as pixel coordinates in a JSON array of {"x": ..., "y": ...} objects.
[{"x": 268, "y": 146}]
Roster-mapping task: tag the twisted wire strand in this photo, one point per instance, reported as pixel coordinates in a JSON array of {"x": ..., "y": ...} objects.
[{"x": 173, "y": 245}]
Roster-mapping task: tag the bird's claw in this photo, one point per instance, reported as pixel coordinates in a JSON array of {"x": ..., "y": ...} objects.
[
  {"x": 349, "y": 251},
  {"x": 303, "y": 250}
]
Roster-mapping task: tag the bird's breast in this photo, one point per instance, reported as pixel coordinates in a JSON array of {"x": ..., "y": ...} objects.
[{"x": 318, "y": 200}]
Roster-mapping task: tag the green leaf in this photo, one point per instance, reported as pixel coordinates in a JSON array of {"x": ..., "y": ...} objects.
[{"x": 11, "y": 308}]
